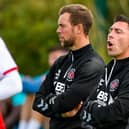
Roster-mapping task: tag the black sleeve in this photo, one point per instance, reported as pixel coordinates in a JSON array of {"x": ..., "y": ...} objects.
[
  {"x": 47, "y": 86},
  {"x": 117, "y": 111},
  {"x": 45, "y": 89},
  {"x": 86, "y": 78}
]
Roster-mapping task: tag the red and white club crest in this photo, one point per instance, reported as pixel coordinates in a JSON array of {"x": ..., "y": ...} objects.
[
  {"x": 71, "y": 74},
  {"x": 114, "y": 84}
]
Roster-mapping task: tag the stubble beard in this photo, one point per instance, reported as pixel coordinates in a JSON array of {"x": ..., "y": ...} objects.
[{"x": 67, "y": 43}]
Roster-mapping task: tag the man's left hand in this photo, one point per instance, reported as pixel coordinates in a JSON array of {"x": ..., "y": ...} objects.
[{"x": 72, "y": 112}]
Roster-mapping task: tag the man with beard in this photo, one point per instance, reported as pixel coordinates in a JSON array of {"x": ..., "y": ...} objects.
[
  {"x": 72, "y": 77},
  {"x": 108, "y": 106}
]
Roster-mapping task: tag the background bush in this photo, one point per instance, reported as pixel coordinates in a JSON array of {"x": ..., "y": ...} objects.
[{"x": 29, "y": 28}]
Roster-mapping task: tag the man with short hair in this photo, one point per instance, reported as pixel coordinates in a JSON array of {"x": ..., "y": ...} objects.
[
  {"x": 108, "y": 106},
  {"x": 72, "y": 77}
]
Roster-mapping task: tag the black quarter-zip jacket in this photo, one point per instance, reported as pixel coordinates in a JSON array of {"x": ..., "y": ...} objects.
[
  {"x": 71, "y": 78},
  {"x": 113, "y": 97}
]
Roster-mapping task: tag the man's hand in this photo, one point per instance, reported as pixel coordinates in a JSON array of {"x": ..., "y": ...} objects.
[{"x": 72, "y": 112}]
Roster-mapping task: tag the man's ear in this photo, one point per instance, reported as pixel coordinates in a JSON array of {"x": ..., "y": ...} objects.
[{"x": 78, "y": 29}]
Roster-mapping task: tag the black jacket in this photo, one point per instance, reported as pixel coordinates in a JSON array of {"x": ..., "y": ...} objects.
[
  {"x": 113, "y": 99},
  {"x": 71, "y": 78}
]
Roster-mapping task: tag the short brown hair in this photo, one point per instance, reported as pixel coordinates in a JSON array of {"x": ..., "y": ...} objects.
[
  {"x": 122, "y": 18},
  {"x": 79, "y": 15}
]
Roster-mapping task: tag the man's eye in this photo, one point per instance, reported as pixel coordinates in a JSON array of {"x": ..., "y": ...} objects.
[{"x": 118, "y": 31}]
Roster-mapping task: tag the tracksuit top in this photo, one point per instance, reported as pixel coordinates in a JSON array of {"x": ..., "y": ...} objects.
[
  {"x": 112, "y": 95},
  {"x": 71, "y": 78}
]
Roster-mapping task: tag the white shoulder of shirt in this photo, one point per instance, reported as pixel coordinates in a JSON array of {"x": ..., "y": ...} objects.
[{"x": 7, "y": 63}]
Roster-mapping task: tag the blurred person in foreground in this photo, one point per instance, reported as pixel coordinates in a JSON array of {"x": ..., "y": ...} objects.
[
  {"x": 108, "y": 106},
  {"x": 10, "y": 81},
  {"x": 11, "y": 108},
  {"x": 72, "y": 77}
]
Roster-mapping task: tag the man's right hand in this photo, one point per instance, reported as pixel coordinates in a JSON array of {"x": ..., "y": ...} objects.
[{"x": 72, "y": 112}]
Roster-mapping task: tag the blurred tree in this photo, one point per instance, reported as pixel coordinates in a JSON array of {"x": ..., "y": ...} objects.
[{"x": 29, "y": 28}]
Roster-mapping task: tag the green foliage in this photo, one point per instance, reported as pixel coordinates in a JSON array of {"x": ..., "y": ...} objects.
[{"x": 29, "y": 28}]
